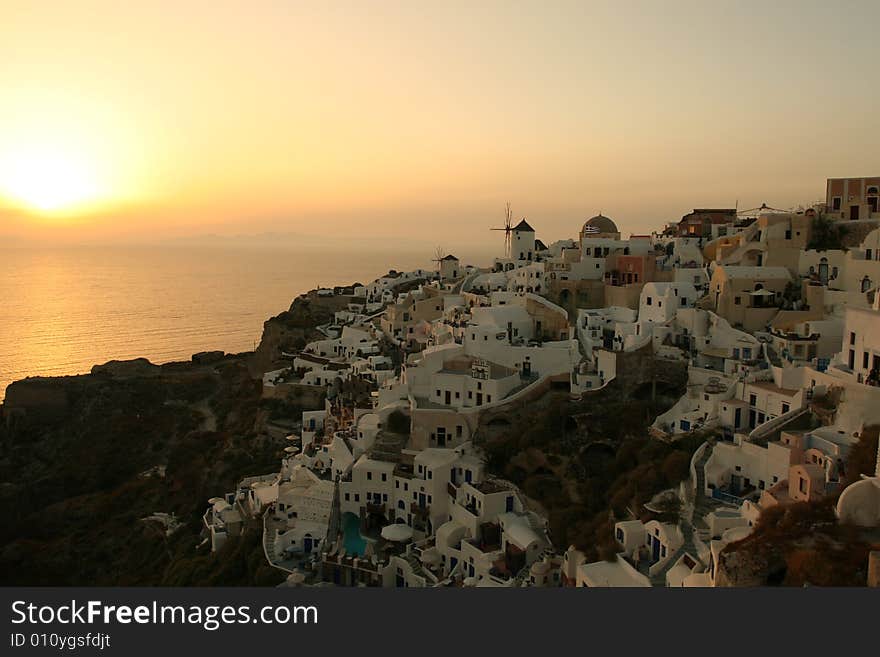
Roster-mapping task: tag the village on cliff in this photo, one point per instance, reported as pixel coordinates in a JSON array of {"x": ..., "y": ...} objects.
[{"x": 774, "y": 314}]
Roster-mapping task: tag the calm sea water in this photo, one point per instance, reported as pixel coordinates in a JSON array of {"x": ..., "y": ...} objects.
[{"x": 64, "y": 310}]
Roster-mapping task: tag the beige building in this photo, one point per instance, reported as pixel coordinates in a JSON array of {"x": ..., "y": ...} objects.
[
  {"x": 748, "y": 297},
  {"x": 449, "y": 268},
  {"x": 400, "y": 319}
]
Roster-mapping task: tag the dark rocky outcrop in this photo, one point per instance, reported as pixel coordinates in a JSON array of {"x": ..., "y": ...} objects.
[
  {"x": 84, "y": 459},
  {"x": 291, "y": 330}
]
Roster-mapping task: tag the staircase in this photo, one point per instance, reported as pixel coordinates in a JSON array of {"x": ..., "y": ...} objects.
[
  {"x": 387, "y": 447},
  {"x": 333, "y": 522},
  {"x": 418, "y": 569},
  {"x": 269, "y": 541},
  {"x": 701, "y": 506},
  {"x": 522, "y": 577}
]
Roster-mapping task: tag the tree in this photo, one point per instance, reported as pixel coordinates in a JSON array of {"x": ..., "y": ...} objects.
[
  {"x": 826, "y": 235},
  {"x": 398, "y": 422}
]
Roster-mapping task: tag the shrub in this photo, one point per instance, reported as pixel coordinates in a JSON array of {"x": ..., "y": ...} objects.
[{"x": 398, "y": 422}]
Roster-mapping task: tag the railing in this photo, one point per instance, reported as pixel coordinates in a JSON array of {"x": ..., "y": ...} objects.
[{"x": 729, "y": 498}]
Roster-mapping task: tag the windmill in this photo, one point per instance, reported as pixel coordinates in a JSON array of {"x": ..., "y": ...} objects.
[
  {"x": 508, "y": 229},
  {"x": 439, "y": 255}
]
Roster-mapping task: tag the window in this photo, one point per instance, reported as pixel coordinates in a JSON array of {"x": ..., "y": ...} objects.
[
  {"x": 852, "y": 338},
  {"x": 785, "y": 407},
  {"x": 369, "y": 476},
  {"x": 384, "y": 477},
  {"x": 835, "y": 203},
  {"x": 649, "y": 301},
  {"x": 737, "y": 300}
]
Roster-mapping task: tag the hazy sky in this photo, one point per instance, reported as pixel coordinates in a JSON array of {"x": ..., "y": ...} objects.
[{"x": 170, "y": 118}]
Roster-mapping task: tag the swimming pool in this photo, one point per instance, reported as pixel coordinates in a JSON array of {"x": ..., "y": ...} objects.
[{"x": 354, "y": 543}]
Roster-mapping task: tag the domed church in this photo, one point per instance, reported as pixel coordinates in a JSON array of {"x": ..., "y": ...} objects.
[{"x": 600, "y": 226}]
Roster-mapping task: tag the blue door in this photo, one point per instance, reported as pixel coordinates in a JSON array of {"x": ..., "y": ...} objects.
[
  {"x": 509, "y": 503},
  {"x": 656, "y": 549},
  {"x": 422, "y": 500},
  {"x": 307, "y": 544}
]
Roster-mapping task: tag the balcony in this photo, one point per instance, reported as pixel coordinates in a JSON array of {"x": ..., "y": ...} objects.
[{"x": 373, "y": 507}]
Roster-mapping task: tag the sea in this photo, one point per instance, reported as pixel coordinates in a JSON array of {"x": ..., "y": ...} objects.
[{"x": 63, "y": 310}]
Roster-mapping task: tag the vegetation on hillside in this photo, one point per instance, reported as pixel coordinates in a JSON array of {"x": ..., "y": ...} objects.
[
  {"x": 77, "y": 486},
  {"x": 589, "y": 463},
  {"x": 826, "y": 234}
]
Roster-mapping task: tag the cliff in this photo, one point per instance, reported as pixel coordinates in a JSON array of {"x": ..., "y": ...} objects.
[
  {"x": 798, "y": 544},
  {"x": 291, "y": 330},
  {"x": 86, "y": 460}
]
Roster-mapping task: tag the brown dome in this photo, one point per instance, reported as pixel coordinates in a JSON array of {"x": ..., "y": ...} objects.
[{"x": 599, "y": 224}]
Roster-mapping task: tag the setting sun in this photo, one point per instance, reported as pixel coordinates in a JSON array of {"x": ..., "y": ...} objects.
[{"x": 49, "y": 180}]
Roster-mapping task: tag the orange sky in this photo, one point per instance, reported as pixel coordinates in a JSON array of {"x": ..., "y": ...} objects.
[{"x": 171, "y": 119}]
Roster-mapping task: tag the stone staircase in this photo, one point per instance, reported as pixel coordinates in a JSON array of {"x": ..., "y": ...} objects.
[
  {"x": 388, "y": 447},
  {"x": 701, "y": 506},
  {"x": 269, "y": 544},
  {"x": 522, "y": 577},
  {"x": 335, "y": 516},
  {"x": 418, "y": 569}
]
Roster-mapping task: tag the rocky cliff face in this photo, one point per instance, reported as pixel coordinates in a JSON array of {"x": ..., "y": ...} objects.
[
  {"x": 86, "y": 460},
  {"x": 292, "y": 329},
  {"x": 797, "y": 544}
]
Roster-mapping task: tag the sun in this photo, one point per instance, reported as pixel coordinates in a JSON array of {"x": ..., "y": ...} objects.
[{"x": 49, "y": 180}]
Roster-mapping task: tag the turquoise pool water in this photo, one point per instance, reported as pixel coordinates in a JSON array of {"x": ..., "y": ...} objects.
[{"x": 354, "y": 543}]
